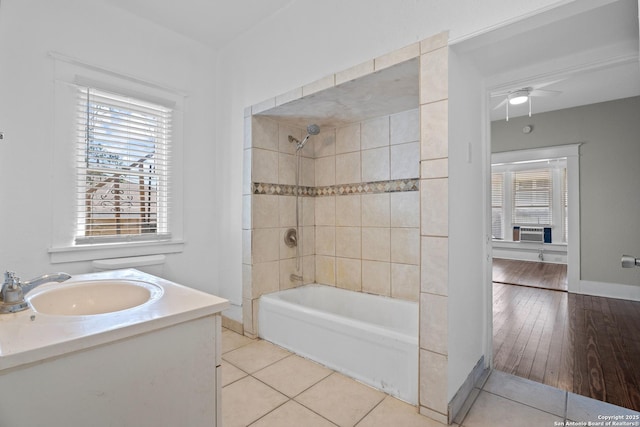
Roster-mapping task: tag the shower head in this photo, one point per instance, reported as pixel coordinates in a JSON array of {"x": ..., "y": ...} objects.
[{"x": 313, "y": 129}]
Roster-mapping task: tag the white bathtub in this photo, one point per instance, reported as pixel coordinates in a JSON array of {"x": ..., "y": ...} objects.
[{"x": 371, "y": 338}]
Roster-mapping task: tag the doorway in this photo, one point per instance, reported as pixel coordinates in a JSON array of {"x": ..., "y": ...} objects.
[{"x": 557, "y": 337}]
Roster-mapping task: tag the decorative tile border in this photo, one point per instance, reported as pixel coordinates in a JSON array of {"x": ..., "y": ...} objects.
[
  {"x": 392, "y": 186},
  {"x": 281, "y": 189}
]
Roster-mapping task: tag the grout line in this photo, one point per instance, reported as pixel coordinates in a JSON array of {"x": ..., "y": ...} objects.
[
  {"x": 320, "y": 415},
  {"x": 294, "y": 397},
  {"x": 371, "y": 410},
  {"x": 264, "y": 415},
  {"x": 241, "y": 378}
]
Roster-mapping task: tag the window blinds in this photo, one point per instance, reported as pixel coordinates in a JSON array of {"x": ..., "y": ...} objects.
[
  {"x": 532, "y": 193},
  {"x": 565, "y": 206},
  {"x": 497, "y": 200},
  {"x": 123, "y": 149}
]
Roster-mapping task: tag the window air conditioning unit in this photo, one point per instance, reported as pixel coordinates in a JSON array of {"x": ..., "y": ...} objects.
[{"x": 532, "y": 234}]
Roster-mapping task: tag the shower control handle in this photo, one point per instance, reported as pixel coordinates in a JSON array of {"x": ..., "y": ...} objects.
[
  {"x": 629, "y": 261},
  {"x": 291, "y": 238}
]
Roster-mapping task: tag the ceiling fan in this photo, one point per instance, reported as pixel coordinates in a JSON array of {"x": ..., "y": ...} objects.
[{"x": 524, "y": 94}]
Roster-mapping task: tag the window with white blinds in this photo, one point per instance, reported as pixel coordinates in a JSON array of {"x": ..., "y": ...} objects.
[
  {"x": 497, "y": 201},
  {"x": 532, "y": 195},
  {"x": 565, "y": 206},
  {"x": 123, "y": 167},
  {"x": 534, "y": 185}
]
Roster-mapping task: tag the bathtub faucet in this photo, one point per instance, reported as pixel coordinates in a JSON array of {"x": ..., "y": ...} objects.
[
  {"x": 13, "y": 290},
  {"x": 295, "y": 277}
]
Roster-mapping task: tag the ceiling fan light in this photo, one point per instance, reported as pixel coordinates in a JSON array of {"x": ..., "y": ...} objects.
[{"x": 519, "y": 97}]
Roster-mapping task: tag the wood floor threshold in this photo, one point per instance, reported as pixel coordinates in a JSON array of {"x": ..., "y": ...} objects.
[{"x": 531, "y": 286}]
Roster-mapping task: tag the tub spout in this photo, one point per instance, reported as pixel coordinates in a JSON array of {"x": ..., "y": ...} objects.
[
  {"x": 13, "y": 290},
  {"x": 295, "y": 277}
]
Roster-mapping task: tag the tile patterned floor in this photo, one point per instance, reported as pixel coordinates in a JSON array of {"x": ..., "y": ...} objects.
[{"x": 267, "y": 386}]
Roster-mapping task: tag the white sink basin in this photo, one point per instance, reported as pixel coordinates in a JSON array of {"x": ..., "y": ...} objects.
[{"x": 92, "y": 297}]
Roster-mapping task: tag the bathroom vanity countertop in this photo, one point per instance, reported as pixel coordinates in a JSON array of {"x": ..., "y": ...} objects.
[{"x": 27, "y": 337}]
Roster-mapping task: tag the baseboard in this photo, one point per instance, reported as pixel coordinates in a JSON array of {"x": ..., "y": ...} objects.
[
  {"x": 461, "y": 401},
  {"x": 232, "y": 324},
  {"x": 552, "y": 257},
  {"x": 609, "y": 290},
  {"x": 232, "y": 319}
]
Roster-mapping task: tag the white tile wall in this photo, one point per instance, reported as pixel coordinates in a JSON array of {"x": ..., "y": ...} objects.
[
  {"x": 326, "y": 270},
  {"x": 434, "y": 333},
  {"x": 264, "y": 133},
  {"x": 348, "y": 168},
  {"x": 376, "y": 277},
  {"x": 264, "y": 211},
  {"x": 434, "y": 205},
  {"x": 265, "y": 244},
  {"x": 375, "y": 133},
  {"x": 405, "y": 160},
  {"x": 287, "y": 211},
  {"x": 435, "y": 264},
  {"x": 376, "y": 210},
  {"x": 376, "y": 244},
  {"x": 324, "y": 144},
  {"x": 405, "y": 281},
  {"x": 405, "y": 209},
  {"x": 325, "y": 240},
  {"x": 325, "y": 171},
  {"x": 435, "y": 130},
  {"x": 405, "y": 245},
  {"x": 325, "y": 210},
  {"x": 348, "y": 210},
  {"x": 349, "y": 274},
  {"x": 348, "y": 242},
  {"x": 348, "y": 139},
  {"x": 263, "y": 163},
  {"x": 376, "y": 164},
  {"x": 286, "y": 169},
  {"x": 405, "y": 127}
]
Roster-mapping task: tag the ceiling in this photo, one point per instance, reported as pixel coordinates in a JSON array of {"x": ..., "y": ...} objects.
[
  {"x": 589, "y": 53},
  {"x": 589, "y": 57},
  {"x": 211, "y": 22}
]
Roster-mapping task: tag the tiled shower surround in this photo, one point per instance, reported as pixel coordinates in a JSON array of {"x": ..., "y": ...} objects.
[
  {"x": 374, "y": 207},
  {"x": 359, "y": 206}
]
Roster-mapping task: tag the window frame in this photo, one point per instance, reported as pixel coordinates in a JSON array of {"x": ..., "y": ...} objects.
[
  {"x": 101, "y": 132},
  {"x": 69, "y": 74}
]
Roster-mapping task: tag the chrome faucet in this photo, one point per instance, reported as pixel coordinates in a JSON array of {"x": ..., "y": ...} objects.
[{"x": 13, "y": 290}]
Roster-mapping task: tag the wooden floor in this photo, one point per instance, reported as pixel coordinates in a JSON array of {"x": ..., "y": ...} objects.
[
  {"x": 528, "y": 273},
  {"x": 579, "y": 343}
]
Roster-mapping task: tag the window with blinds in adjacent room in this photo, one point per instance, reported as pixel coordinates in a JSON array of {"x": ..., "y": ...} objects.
[
  {"x": 497, "y": 201},
  {"x": 123, "y": 167},
  {"x": 532, "y": 195}
]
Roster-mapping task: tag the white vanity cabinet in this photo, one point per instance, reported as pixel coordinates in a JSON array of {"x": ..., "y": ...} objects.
[{"x": 162, "y": 369}]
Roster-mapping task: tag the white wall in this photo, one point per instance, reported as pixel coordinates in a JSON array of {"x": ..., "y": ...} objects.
[
  {"x": 100, "y": 35},
  {"x": 467, "y": 218},
  {"x": 309, "y": 40}
]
